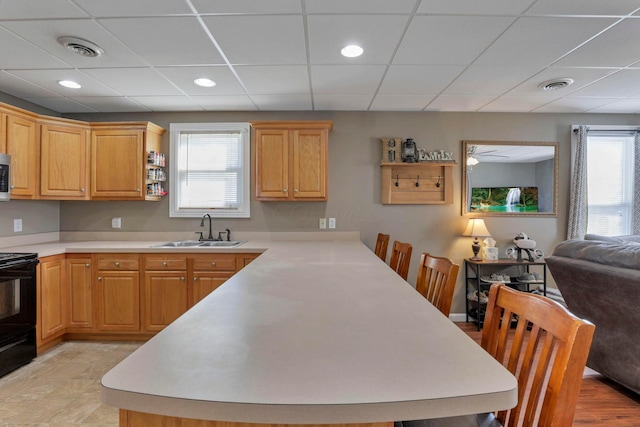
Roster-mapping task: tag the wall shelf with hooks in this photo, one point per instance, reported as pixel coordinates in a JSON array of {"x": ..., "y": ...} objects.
[{"x": 425, "y": 183}]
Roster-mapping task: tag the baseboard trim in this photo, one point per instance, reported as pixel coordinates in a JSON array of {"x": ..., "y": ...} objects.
[{"x": 458, "y": 317}]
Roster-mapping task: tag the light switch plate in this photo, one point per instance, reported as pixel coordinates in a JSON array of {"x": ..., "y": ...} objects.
[
  {"x": 116, "y": 222},
  {"x": 332, "y": 223},
  {"x": 17, "y": 225},
  {"x": 323, "y": 223}
]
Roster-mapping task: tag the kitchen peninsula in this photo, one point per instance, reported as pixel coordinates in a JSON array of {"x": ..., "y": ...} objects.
[{"x": 318, "y": 332}]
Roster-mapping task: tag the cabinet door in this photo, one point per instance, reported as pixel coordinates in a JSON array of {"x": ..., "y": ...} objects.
[
  {"x": 165, "y": 298},
  {"x": 310, "y": 164},
  {"x": 22, "y": 145},
  {"x": 80, "y": 297},
  {"x": 118, "y": 301},
  {"x": 272, "y": 164},
  {"x": 117, "y": 164},
  {"x": 64, "y": 162},
  {"x": 52, "y": 298},
  {"x": 206, "y": 282}
]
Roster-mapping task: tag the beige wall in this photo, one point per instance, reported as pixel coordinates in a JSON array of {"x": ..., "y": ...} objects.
[{"x": 354, "y": 182}]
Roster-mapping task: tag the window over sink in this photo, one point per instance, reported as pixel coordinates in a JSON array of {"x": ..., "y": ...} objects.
[{"x": 210, "y": 170}]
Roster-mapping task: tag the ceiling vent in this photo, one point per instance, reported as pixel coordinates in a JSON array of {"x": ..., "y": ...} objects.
[
  {"x": 555, "y": 84},
  {"x": 81, "y": 47}
]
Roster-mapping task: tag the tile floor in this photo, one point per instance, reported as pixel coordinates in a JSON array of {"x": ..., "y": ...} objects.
[{"x": 61, "y": 388}]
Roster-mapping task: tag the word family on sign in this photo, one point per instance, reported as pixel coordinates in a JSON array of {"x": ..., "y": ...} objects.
[{"x": 431, "y": 156}]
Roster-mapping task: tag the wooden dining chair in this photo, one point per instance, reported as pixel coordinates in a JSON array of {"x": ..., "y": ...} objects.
[
  {"x": 400, "y": 258},
  {"x": 381, "y": 246},
  {"x": 437, "y": 280},
  {"x": 544, "y": 346}
]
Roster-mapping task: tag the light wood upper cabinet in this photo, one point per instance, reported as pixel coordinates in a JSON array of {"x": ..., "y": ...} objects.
[
  {"x": 22, "y": 144},
  {"x": 64, "y": 161},
  {"x": 291, "y": 160},
  {"x": 118, "y": 156}
]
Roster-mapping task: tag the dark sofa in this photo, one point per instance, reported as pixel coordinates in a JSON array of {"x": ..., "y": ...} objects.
[{"x": 599, "y": 278}]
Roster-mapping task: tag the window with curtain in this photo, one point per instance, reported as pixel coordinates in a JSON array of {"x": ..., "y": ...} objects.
[
  {"x": 610, "y": 182},
  {"x": 210, "y": 170}
]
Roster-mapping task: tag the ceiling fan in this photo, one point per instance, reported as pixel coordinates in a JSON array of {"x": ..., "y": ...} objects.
[{"x": 472, "y": 151}]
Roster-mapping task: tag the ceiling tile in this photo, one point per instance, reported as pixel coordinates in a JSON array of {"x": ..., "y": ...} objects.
[
  {"x": 458, "y": 103},
  {"x": 248, "y": 6},
  {"x": 113, "y": 8},
  {"x": 62, "y": 105},
  {"x": 225, "y": 103},
  {"x": 418, "y": 79},
  {"x": 49, "y": 80},
  {"x": 45, "y": 34},
  {"x": 341, "y": 102},
  {"x": 581, "y": 7},
  {"x": 541, "y": 41},
  {"x": 260, "y": 39},
  {"x": 346, "y": 79},
  {"x": 134, "y": 81},
  {"x": 448, "y": 40},
  {"x": 617, "y": 47},
  {"x": 34, "y": 9},
  {"x": 620, "y": 106},
  {"x": 110, "y": 104},
  {"x": 474, "y": 7},
  {"x": 580, "y": 76},
  {"x": 400, "y": 102},
  {"x": 384, "y": 7},
  {"x": 519, "y": 103},
  {"x": 274, "y": 79},
  {"x": 30, "y": 55},
  {"x": 183, "y": 77},
  {"x": 487, "y": 80},
  {"x": 167, "y": 103},
  {"x": 22, "y": 88},
  {"x": 573, "y": 105},
  {"x": 283, "y": 102},
  {"x": 185, "y": 44},
  {"x": 617, "y": 85},
  {"x": 328, "y": 34}
]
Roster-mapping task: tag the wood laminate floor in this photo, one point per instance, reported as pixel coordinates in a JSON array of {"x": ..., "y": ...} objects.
[{"x": 61, "y": 388}]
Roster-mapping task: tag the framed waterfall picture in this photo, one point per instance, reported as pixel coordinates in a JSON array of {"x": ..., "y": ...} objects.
[{"x": 504, "y": 199}]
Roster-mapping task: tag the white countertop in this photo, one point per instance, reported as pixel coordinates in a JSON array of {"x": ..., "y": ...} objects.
[{"x": 311, "y": 332}]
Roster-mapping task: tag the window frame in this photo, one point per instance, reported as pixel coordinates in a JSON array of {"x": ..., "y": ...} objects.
[{"x": 175, "y": 129}]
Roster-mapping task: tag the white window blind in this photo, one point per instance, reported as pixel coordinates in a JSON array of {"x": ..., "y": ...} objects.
[
  {"x": 610, "y": 181},
  {"x": 210, "y": 169}
]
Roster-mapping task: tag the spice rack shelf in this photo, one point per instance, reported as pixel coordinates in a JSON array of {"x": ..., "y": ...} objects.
[
  {"x": 422, "y": 183},
  {"x": 156, "y": 176}
]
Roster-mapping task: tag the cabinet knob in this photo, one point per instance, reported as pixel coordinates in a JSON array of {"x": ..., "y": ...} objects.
[
  {"x": 286, "y": 190},
  {"x": 213, "y": 264},
  {"x": 87, "y": 265},
  {"x": 82, "y": 190},
  {"x": 164, "y": 263},
  {"x": 195, "y": 279},
  {"x": 182, "y": 279},
  {"x": 99, "y": 279},
  {"x": 117, "y": 264},
  {"x": 12, "y": 187},
  {"x": 137, "y": 190},
  {"x": 295, "y": 190}
]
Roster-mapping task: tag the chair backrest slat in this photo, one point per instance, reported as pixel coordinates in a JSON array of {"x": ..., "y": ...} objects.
[
  {"x": 381, "y": 246},
  {"x": 437, "y": 281},
  {"x": 400, "y": 258}
]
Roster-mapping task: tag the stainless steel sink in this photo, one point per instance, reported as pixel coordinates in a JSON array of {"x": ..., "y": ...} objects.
[
  {"x": 224, "y": 243},
  {"x": 196, "y": 243},
  {"x": 179, "y": 244}
]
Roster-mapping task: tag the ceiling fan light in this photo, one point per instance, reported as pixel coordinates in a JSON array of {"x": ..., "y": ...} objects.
[
  {"x": 204, "y": 82},
  {"x": 352, "y": 51},
  {"x": 69, "y": 84},
  {"x": 472, "y": 161}
]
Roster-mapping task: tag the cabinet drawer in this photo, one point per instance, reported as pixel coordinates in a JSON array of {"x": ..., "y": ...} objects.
[
  {"x": 170, "y": 262},
  {"x": 118, "y": 262},
  {"x": 215, "y": 262}
]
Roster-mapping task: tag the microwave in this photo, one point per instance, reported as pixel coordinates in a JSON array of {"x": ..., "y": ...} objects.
[{"x": 5, "y": 175}]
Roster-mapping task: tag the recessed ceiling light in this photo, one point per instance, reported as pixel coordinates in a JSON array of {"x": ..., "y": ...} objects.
[
  {"x": 555, "y": 84},
  {"x": 352, "y": 51},
  {"x": 70, "y": 84},
  {"x": 204, "y": 82},
  {"x": 81, "y": 47}
]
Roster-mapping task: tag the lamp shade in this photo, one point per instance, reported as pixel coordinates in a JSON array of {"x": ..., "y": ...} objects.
[{"x": 476, "y": 228}]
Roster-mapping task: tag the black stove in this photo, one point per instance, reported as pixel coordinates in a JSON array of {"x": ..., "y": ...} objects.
[{"x": 18, "y": 307}]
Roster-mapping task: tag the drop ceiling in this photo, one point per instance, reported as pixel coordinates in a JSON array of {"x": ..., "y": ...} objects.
[{"x": 265, "y": 55}]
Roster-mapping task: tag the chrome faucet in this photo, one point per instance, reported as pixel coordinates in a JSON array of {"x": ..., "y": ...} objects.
[{"x": 210, "y": 229}]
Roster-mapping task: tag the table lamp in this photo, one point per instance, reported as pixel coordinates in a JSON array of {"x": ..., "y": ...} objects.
[{"x": 476, "y": 228}]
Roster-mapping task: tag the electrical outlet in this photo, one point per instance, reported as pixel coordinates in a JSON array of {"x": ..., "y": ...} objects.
[
  {"x": 17, "y": 225},
  {"x": 332, "y": 223},
  {"x": 323, "y": 223},
  {"x": 116, "y": 222}
]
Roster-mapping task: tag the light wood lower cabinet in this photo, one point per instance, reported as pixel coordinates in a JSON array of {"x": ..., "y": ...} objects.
[
  {"x": 79, "y": 277},
  {"x": 118, "y": 291},
  {"x": 165, "y": 292},
  {"x": 51, "y": 298}
]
